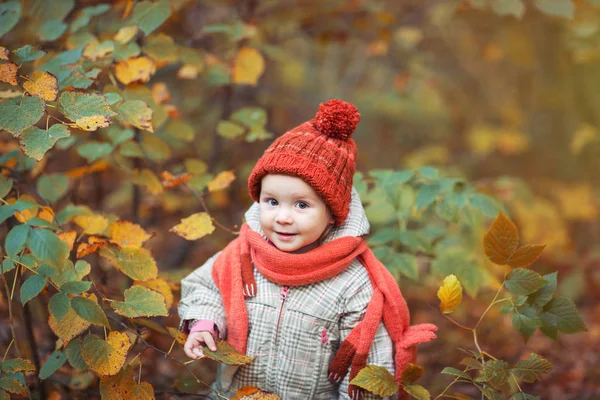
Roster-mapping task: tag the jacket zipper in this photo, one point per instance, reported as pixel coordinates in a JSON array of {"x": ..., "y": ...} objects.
[{"x": 283, "y": 293}]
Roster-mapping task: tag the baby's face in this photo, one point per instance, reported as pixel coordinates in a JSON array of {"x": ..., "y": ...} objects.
[{"x": 292, "y": 214}]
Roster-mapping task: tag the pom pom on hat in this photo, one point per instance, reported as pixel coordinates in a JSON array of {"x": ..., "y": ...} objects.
[{"x": 336, "y": 119}]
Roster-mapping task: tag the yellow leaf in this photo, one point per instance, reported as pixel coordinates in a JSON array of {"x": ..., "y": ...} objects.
[
  {"x": 135, "y": 263},
  {"x": 135, "y": 69},
  {"x": 188, "y": 71},
  {"x": 248, "y": 66},
  {"x": 123, "y": 386},
  {"x": 511, "y": 142},
  {"x": 43, "y": 85},
  {"x": 525, "y": 255},
  {"x": 161, "y": 286},
  {"x": 194, "y": 227},
  {"x": 450, "y": 294},
  {"x": 27, "y": 214},
  {"x": 68, "y": 238},
  {"x": 501, "y": 240},
  {"x": 179, "y": 336},
  {"x": 429, "y": 155},
  {"x": 376, "y": 380},
  {"x": 126, "y": 33},
  {"x": 128, "y": 234},
  {"x": 222, "y": 181},
  {"x": 227, "y": 354},
  {"x": 46, "y": 213},
  {"x": 147, "y": 179},
  {"x": 93, "y": 122},
  {"x": 8, "y": 73},
  {"x": 92, "y": 224},
  {"x": 481, "y": 140},
  {"x": 195, "y": 166},
  {"x": 70, "y": 325},
  {"x": 577, "y": 202},
  {"x": 584, "y": 135},
  {"x": 106, "y": 357},
  {"x": 96, "y": 50}
]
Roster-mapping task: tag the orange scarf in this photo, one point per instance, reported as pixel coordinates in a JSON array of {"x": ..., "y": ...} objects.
[{"x": 233, "y": 275}]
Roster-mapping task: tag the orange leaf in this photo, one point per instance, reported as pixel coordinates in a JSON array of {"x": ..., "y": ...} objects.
[
  {"x": 525, "y": 255},
  {"x": 4, "y": 53},
  {"x": 68, "y": 238},
  {"x": 94, "y": 243},
  {"x": 8, "y": 73},
  {"x": 128, "y": 234},
  {"x": 501, "y": 240},
  {"x": 160, "y": 93},
  {"x": 135, "y": 69},
  {"x": 170, "y": 181},
  {"x": 80, "y": 172},
  {"x": 246, "y": 390},
  {"x": 42, "y": 84},
  {"x": 46, "y": 213},
  {"x": 221, "y": 181}
]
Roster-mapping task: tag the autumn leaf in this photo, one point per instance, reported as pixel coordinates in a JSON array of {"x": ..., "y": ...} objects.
[
  {"x": 170, "y": 181},
  {"x": 68, "y": 237},
  {"x": 42, "y": 84},
  {"x": 194, "y": 227},
  {"x": 221, "y": 181},
  {"x": 226, "y": 354},
  {"x": 106, "y": 357},
  {"x": 89, "y": 111},
  {"x": 141, "y": 302},
  {"x": 69, "y": 326},
  {"x": 375, "y": 379},
  {"x": 80, "y": 172},
  {"x": 146, "y": 178},
  {"x": 135, "y": 263},
  {"x": 525, "y": 255},
  {"x": 126, "y": 33},
  {"x": 188, "y": 71},
  {"x": 93, "y": 122},
  {"x": 16, "y": 365},
  {"x": 93, "y": 245},
  {"x": 248, "y": 66},
  {"x": 4, "y": 52},
  {"x": 161, "y": 286},
  {"x": 160, "y": 93},
  {"x": 450, "y": 294},
  {"x": 123, "y": 386},
  {"x": 92, "y": 224},
  {"x": 127, "y": 234},
  {"x": 179, "y": 336},
  {"x": 501, "y": 240},
  {"x": 46, "y": 213},
  {"x": 8, "y": 73},
  {"x": 135, "y": 69},
  {"x": 412, "y": 373},
  {"x": 136, "y": 113},
  {"x": 252, "y": 392}
]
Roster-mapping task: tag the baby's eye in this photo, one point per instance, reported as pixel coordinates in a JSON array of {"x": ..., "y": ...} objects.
[
  {"x": 302, "y": 205},
  {"x": 272, "y": 202}
]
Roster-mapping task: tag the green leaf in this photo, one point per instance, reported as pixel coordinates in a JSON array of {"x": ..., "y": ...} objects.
[
  {"x": 17, "y": 365},
  {"x": 561, "y": 313},
  {"x": 29, "y": 53},
  {"x": 36, "y": 142},
  {"x": 20, "y": 113},
  {"x": 427, "y": 195},
  {"x": 16, "y": 240},
  {"x": 47, "y": 247},
  {"x": 429, "y": 172},
  {"x": 7, "y": 265},
  {"x": 495, "y": 372},
  {"x": 524, "y": 396},
  {"x": 141, "y": 302},
  {"x": 377, "y": 380},
  {"x": 77, "y": 105},
  {"x": 162, "y": 48},
  {"x": 49, "y": 9},
  {"x": 457, "y": 261},
  {"x": 447, "y": 210},
  {"x": 112, "y": 98},
  {"x": 383, "y": 237},
  {"x": 456, "y": 372},
  {"x": 138, "y": 263},
  {"x": 543, "y": 295},
  {"x": 90, "y": 311},
  {"x": 509, "y": 7},
  {"x": 32, "y": 287},
  {"x": 59, "y": 305},
  {"x": 229, "y": 130},
  {"x": 490, "y": 393},
  {"x": 380, "y": 212},
  {"x": 53, "y": 363},
  {"x": 74, "y": 356},
  {"x": 251, "y": 117},
  {"x": 76, "y": 287},
  {"x": 10, "y": 14},
  {"x": 523, "y": 281},
  {"x": 412, "y": 240},
  {"x": 136, "y": 113},
  {"x": 56, "y": 64},
  {"x": 557, "y": 8},
  {"x": 405, "y": 264},
  {"x": 6, "y": 185},
  {"x": 53, "y": 186},
  {"x": 532, "y": 369},
  {"x": 49, "y": 31},
  {"x": 94, "y": 150},
  {"x": 119, "y": 135},
  {"x": 71, "y": 273},
  {"x": 485, "y": 204},
  {"x": 124, "y": 51},
  {"x": 11, "y": 383},
  {"x": 417, "y": 392},
  {"x": 149, "y": 15},
  {"x": 525, "y": 320},
  {"x": 181, "y": 130}
]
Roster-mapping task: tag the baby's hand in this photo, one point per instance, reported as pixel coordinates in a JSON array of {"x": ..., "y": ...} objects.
[{"x": 194, "y": 342}]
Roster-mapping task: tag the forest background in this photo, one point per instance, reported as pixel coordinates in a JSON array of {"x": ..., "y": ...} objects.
[{"x": 119, "y": 121}]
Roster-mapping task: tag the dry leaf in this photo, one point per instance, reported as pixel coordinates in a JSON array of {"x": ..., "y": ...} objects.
[
  {"x": 450, "y": 294},
  {"x": 93, "y": 122},
  {"x": 501, "y": 240},
  {"x": 194, "y": 227},
  {"x": 68, "y": 238},
  {"x": 170, "y": 181},
  {"x": 227, "y": 354},
  {"x": 248, "y": 66},
  {"x": 179, "y": 336},
  {"x": 128, "y": 234},
  {"x": 135, "y": 69},
  {"x": 525, "y": 255},
  {"x": 8, "y": 73},
  {"x": 46, "y": 213},
  {"x": 93, "y": 245},
  {"x": 42, "y": 84},
  {"x": 80, "y": 172},
  {"x": 91, "y": 224},
  {"x": 4, "y": 53},
  {"x": 222, "y": 181}
]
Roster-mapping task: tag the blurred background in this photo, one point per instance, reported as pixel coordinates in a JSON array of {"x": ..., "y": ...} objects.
[{"x": 503, "y": 94}]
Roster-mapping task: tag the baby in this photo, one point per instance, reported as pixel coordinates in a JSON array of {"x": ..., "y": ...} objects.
[{"x": 299, "y": 289}]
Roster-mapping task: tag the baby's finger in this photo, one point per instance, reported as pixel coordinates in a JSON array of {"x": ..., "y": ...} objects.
[
  {"x": 198, "y": 352},
  {"x": 210, "y": 342}
]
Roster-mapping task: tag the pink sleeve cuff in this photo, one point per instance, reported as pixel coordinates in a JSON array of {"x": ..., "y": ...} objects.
[{"x": 205, "y": 325}]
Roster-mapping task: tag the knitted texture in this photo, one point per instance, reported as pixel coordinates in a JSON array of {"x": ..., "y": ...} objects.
[
  {"x": 232, "y": 274},
  {"x": 319, "y": 151}
]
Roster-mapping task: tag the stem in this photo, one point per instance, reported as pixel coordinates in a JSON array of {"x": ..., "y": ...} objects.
[
  {"x": 10, "y": 314},
  {"x": 490, "y": 306},
  {"x": 205, "y": 207},
  {"x": 7, "y": 349},
  {"x": 449, "y": 318},
  {"x": 516, "y": 382},
  {"x": 447, "y": 387}
]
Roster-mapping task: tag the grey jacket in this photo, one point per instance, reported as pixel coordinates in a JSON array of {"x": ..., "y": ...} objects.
[{"x": 294, "y": 332}]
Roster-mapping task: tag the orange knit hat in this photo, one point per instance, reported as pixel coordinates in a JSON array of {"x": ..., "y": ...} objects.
[{"x": 319, "y": 151}]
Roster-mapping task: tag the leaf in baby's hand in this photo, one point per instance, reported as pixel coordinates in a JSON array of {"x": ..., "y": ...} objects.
[
  {"x": 252, "y": 392},
  {"x": 376, "y": 380},
  {"x": 226, "y": 354}
]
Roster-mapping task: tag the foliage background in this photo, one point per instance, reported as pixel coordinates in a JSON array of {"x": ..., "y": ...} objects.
[{"x": 501, "y": 93}]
